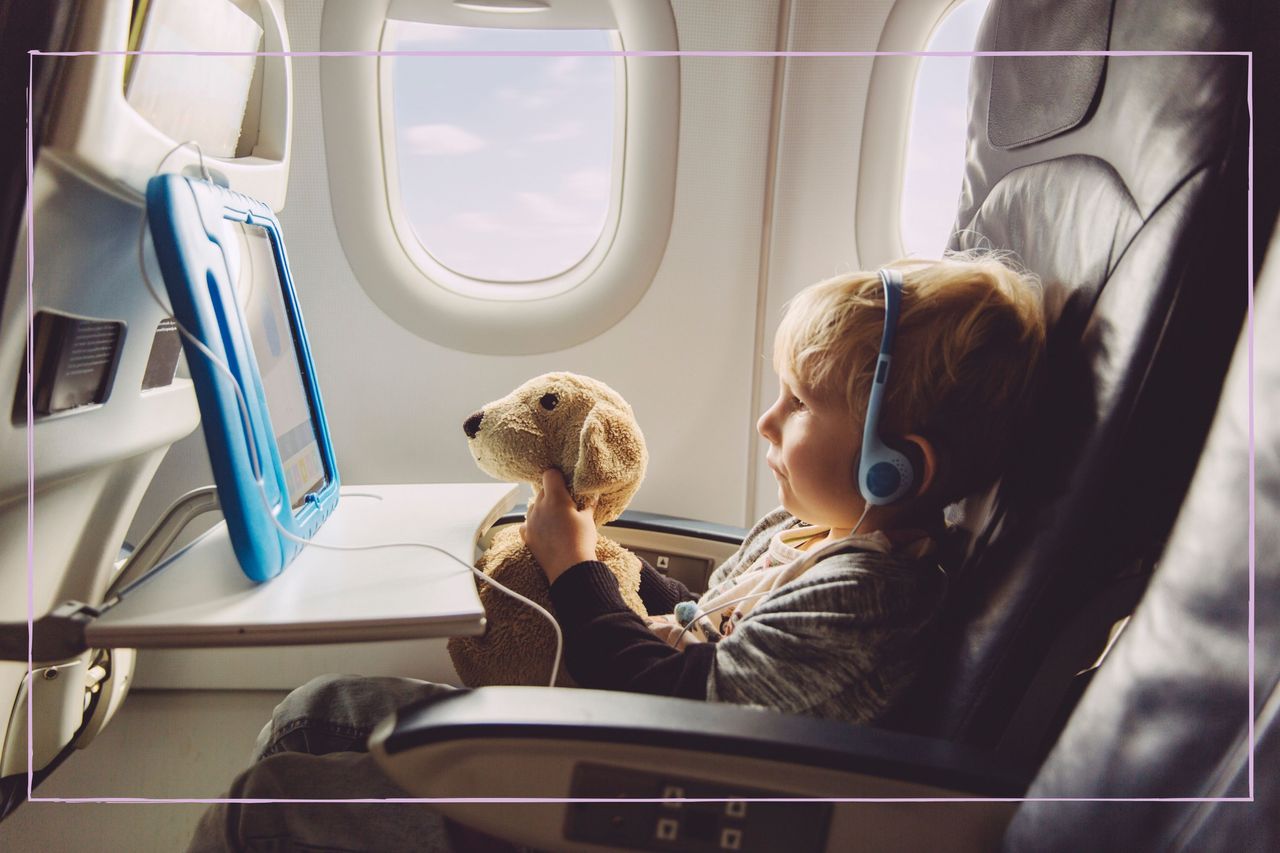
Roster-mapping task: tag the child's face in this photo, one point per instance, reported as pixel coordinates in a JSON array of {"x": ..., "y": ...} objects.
[{"x": 813, "y": 446}]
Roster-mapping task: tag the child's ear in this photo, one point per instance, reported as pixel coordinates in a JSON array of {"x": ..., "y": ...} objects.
[{"x": 924, "y": 461}]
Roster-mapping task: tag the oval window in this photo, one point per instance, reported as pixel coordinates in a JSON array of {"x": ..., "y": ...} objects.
[
  {"x": 479, "y": 194},
  {"x": 934, "y": 167},
  {"x": 503, "y": 165}
]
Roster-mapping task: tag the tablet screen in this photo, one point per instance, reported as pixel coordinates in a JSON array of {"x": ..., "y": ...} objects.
[{"x": 272, "y": 336}]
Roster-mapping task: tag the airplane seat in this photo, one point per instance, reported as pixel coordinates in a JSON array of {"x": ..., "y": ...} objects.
[
  {"x": 1121, "y": 182},
  {"x": 1172, "y": 713},
  {"x": 80, "y": 512},
  {"x": 103, "y": 421},
  {"x": 1183, "y": 714}
]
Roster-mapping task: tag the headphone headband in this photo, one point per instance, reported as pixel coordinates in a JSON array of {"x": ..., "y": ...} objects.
[
  {"x": 884, "y": 474},
  {"x": 892, "y": 283}
]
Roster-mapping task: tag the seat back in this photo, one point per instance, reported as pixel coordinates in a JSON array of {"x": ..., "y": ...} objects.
[
  {"x": 1121, "y": 181},
  {"x": 94, "y": 447},
  {"x": 1169, "y": 714}
]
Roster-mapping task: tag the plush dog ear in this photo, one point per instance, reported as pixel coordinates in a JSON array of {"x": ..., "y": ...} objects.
[{"x": 611, "y": 460}]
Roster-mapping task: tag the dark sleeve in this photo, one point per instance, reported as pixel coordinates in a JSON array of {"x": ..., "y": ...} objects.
[
  {"x": 660, "y": 593},
  {"x": 607, "y": 646}
]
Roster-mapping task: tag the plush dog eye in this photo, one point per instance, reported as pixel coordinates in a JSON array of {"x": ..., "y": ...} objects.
[{"x": 549, "y": 401}]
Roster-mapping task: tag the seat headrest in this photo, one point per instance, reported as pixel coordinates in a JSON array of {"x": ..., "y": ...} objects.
[
  {"x": 1036, "y": 97},
  {"x": 1134, "y": 217}
]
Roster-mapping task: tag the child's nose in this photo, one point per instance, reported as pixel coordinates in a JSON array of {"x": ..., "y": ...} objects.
[{"x": 764, "y": 425}]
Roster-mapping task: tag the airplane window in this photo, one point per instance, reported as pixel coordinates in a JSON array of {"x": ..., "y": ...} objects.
[
  {"x": 936, "y": 140},
  {"x": 504, "y": 165},
  {"x": 479, "y": 197}
]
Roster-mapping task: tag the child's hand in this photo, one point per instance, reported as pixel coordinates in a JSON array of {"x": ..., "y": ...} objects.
[{"x": 558, "y": 533}]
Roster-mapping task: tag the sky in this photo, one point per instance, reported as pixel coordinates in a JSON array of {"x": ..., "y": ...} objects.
[{"x": 505, "y": 162}]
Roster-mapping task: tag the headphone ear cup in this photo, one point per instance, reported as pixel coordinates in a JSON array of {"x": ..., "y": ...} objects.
[{"x": 886, "y": 475}]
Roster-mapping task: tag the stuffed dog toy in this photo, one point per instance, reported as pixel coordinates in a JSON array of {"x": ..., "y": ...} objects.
[{"x": 584, "y": 429}]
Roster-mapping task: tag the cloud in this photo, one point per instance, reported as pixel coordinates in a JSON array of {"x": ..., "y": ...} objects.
[
  {"x": 565, "y": 130},
  {"x": 478, "y": 223},
  {"x": 564, "y": 67},
  {"x": 437, "y": 139},
  {"x": 530, "y": 99},
  {"x": 547, "y": 210},
  {"x": 538, "y": 100},
  {"x": 589, "y": 184},
  {"x": 534, "y": 99}
]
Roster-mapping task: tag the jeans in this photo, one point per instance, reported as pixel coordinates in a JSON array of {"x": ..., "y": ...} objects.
[{"x": 314, "y": 747}]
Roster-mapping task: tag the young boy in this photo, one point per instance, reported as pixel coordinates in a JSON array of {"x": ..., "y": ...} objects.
[{"x": 825, "y": 608}]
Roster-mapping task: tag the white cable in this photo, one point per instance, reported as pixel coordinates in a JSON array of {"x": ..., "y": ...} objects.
[
  {"x": 812, "y": 558},
  {"x": 698, "y": 614},
  {"x": 728, "y": 582},
  {"x": 866, "y": 507},
  {"x": 253, "y": 448}
]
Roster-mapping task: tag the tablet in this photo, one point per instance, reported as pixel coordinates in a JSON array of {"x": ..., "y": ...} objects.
[{"x": 218, "y": 249}]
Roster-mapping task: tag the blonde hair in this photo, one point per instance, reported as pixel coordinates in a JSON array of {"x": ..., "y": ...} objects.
[{"x": 968, "y": 343}]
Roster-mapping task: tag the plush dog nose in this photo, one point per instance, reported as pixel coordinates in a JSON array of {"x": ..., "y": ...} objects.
[{"x": 472, "y": 426}]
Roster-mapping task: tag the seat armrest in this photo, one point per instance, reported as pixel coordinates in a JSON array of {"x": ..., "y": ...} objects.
[
  {"x": 558, "y": 744},
  {"x": 675, "y": 525},
  {"x": 655, "y": 522}
]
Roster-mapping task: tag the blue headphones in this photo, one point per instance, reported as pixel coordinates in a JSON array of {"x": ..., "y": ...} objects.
[{"x": 884, "y": 474}]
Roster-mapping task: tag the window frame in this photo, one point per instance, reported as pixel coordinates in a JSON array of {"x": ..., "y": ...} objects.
[{"x": 464, "y": 313}]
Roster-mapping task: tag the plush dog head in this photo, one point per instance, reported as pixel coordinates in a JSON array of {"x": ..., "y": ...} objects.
[{"x": 575, "y": 424}]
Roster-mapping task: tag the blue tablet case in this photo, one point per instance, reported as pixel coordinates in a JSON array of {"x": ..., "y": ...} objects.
[{"x": 188, "y": 220}]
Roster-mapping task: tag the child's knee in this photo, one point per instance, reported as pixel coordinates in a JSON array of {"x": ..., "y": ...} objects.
[
  {"x": 322, "y": 694},
  {"x": 332, "y": 713}
]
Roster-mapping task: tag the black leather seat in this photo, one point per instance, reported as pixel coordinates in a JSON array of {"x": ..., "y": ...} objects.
[
  {"x": 1121, "y": 181},
  {"x": 1169, "y": 713}
]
